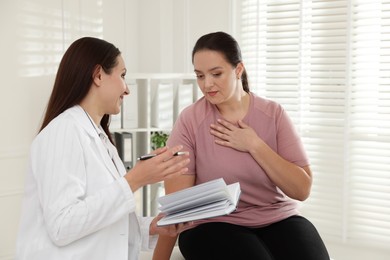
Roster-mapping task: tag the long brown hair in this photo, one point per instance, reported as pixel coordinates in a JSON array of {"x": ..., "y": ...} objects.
[
  {"x": 227, "y": 46},
  {"x": 75, "y": 76}
]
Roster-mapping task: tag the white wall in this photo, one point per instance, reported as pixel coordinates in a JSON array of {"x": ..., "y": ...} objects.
[
  {"x": 168, "y": 30},
  {"x": 153, "y": 35}
]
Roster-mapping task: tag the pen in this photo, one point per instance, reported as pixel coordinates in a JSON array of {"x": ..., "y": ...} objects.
[
  {"x": 179, "y": 153},
  {"x": 148, "y": 156}
]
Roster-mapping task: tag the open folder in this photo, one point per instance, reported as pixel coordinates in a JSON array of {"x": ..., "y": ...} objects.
[{"x": 206, "y": 200}]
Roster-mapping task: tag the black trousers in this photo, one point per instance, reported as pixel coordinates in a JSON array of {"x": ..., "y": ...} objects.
[{"x": 289, "y": 239}]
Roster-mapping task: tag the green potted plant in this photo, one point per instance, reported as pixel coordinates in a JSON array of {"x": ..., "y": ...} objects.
[{"x": 158, "y": 139}]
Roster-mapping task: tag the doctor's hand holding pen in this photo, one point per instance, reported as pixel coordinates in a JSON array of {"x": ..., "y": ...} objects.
[{"x": 157, "y": 166}]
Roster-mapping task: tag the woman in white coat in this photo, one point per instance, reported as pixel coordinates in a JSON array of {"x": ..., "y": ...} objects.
[{"x": 79, "y": 200}]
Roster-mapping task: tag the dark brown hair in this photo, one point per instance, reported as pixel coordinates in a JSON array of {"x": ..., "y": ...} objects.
[
  {"x": 75, "y": 75},
  {"x": 227, "y": 46}
]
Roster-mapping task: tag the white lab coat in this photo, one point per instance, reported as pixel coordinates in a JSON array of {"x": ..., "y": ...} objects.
[{"x": 77, "y": 203}]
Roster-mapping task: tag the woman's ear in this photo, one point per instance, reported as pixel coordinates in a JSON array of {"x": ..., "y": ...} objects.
[
  {"x": 239, "y": 70},
  {"x": 97, "y": 75}
]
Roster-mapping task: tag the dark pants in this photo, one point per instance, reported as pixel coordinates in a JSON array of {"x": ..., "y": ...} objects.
[{"x": 289, "y": 239}]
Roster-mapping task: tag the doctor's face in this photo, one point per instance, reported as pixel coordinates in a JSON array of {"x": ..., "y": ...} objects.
[{"x": 114, "y": 88}]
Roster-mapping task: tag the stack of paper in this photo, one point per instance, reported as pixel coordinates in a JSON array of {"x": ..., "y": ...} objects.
[{"x": 210, "y": 199}]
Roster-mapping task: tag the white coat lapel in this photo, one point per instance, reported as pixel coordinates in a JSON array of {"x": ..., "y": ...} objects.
[
  {"x": 106, "y": 157},
  {"x": 102, "y": 151}
]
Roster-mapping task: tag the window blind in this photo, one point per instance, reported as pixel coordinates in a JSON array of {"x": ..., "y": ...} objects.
[{"x": 328, "y": 63}]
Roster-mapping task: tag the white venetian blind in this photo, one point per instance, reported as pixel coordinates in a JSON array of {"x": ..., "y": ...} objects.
[{"x": 328, "y": 63}]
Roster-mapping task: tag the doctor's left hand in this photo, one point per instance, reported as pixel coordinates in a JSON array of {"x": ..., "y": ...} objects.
[{"x": 169, "y": 230}]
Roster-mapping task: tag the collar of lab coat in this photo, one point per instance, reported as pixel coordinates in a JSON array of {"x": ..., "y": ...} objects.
[{"x": 114, "y": 165}]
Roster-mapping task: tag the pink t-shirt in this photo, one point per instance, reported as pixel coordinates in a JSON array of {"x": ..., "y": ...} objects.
[{"x": 261, "y": 202}]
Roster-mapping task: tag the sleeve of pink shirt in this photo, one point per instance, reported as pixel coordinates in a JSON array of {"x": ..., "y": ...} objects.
[
  {"x": 289, "y": 144},
  {"x": 184, "y": 134}
]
